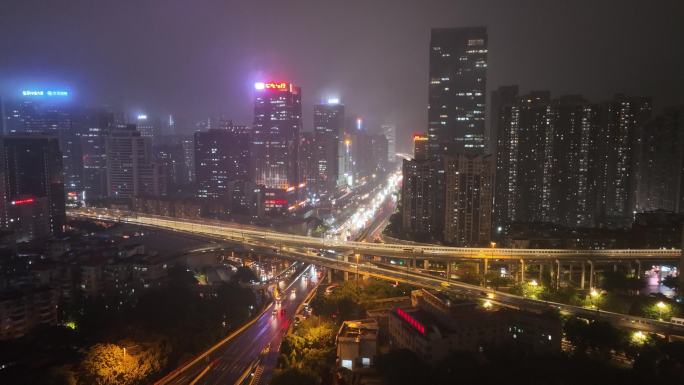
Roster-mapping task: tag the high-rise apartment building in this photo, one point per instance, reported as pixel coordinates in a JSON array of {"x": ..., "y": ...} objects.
[
  {"x": 621, "y": 122},
  {"x": 32, "y": 186},
  {"x": 221, "y": 156},
  {"x": 469, "y": 187},
  {"x": 521, "y": 124},
  {"x": 131, "y": 168},
  {"x": 328, "y": 129},
  {"x": 661, "y": 163},
  {"x": 566, "y": 161},
  {"x": 418, "y": 197},
  {"x": 458, "y": 71}
]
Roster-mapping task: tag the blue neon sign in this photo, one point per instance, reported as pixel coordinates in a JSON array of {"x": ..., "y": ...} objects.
[{"x": 45, "y": 93}]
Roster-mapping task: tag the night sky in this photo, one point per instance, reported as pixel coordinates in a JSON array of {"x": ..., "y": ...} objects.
[{"x": 199, "y": 58}]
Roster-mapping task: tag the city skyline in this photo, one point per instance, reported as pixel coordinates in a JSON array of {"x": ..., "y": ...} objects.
[{"x": 215, "y": 67}]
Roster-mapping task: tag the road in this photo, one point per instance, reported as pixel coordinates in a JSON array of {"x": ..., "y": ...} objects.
[{"x": 229, "y": 362}]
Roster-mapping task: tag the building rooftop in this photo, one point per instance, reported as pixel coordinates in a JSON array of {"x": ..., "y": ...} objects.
[{"x": 364, "y": 328}]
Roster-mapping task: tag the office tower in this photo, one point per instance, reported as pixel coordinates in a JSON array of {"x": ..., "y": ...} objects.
[
  {"x": 32, "y": 186},
  {"x": 275, "y": 139},
  {"x": 390, "y": 132},
  {"x": 221, "y": 156},
  {"x": 420, "y": 146},
  {"x": 328, "y": 128},
  {"x": 418, "y": 197},
  {"x": 521, "y": 122},
  {"x": 131, "y": 168},
  {"x": 97, "y": 124},
  {"x": 469, "y": 182},
  {"x": 621, "y": 120},
  {"x": 661, "y": 163},
  {"x": 456, "y": 105}
]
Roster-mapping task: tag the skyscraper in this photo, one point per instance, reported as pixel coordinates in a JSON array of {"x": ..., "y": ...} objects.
[
  {"x": 469, "y": 182},
  {"x": 221, "y": 156},
  {"x": 621, "y": 121},
  {"x": 32, "y": 184},
  {"x": 131, "y": 167},
  {"x": 328, "y": 128},
  {"x": 661, "y": 173},
  {"x": 277, "y": 122},
  {"x": 456, "y": 105},
  {"x": 275, "y": 140},
  {"x": 390, "y": 132},
  {"x": 521, "y": 122},
  {"x": 418, "y": 197},
  {"x": 97, "y": 124},
  {"x": 420, "y": 146}
]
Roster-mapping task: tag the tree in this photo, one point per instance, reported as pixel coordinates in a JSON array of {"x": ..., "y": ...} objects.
[
  {"x": 244, "y": 275},
  {"x": 672, "y": 282},
  {"x": 106, "y": 363},
  {"x": 293, "y": 376}
]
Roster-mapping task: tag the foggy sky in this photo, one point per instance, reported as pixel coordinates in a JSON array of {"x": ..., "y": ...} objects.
[{"x": 200, "y": 58}]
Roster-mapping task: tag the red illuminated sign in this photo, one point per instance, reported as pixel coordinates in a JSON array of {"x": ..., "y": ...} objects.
[
  {"x": 412, "y": 321},
  {"x": 23, "y": 201},
  {"x": 280, "y": 86},
  {"x": 278, "y": 202}
]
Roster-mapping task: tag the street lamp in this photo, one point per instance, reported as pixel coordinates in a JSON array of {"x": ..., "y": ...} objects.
[
  {"x": 661, "y": 308},
  {"x": 595, "y": 296}
]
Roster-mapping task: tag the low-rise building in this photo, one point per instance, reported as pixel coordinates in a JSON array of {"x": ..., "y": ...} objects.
[
  {"x": 23, "y": 310},
  {"x": 357, "y": 343},
  {"x": 433, "y": 327}
]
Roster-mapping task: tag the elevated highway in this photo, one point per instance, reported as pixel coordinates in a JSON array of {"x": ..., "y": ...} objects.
[
  {"x": 300, "y": 248},
  {"x": 439, "y": 253}
]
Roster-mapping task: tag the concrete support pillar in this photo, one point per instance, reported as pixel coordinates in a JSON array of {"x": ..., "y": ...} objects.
[
  {"x": 448, "y": 271},
  {"x": 615, "y": 268},
  {"x": 485, "y": 263},
  {"x": 330, "y": 276},
  {"x": 591, "y": 274},
  {"x": 426, "y": 264},
  {"x": 346, "y": 273},
  {"x": 541, "y": 272},
  {"x": 522, "y": 271},
  {"x": 570, "y": 273},
  {"x": 638, "y": 268},
  {"x": 584, "y": 270},
  {"x": 558, "y": 274},
  {"x": 413, "y": 262}
]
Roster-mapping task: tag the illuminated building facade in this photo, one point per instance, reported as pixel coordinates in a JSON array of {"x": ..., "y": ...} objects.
[
  {"x": 420, "y": 146},
  {"x": 456, "y": 104},
  {"x": 33, "y": 197},
  {"x": 275, "y": 142},
  {"x": 328, "y": 128}
]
